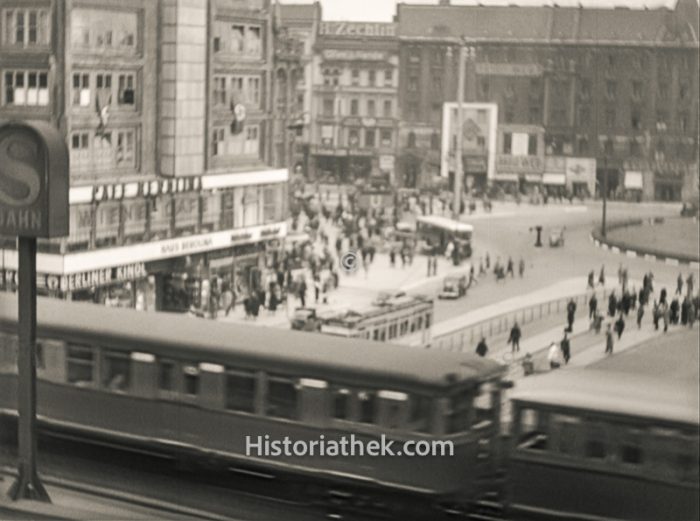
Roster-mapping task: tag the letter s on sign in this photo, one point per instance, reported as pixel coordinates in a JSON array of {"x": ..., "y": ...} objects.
[{"x": 20, "y": 181}]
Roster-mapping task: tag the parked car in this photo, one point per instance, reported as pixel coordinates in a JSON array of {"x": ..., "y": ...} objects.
[
  {"x": 556, "y": 238},
  {"x": 305, "y": 319},
  {"x": 453, "y": 287},
  {"x": 385, "y": 296}
]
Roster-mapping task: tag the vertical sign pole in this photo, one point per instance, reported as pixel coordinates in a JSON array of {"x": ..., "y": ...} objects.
[
  {"x": 28, "y": 484},
  {"x": 457, "y": 210}
]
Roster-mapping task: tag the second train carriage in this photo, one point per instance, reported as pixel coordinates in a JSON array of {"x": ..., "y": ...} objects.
[{"x": 179, "y": 385}]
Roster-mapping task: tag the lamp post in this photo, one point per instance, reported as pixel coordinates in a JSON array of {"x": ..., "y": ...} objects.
[{"x": 457, "y": 204}]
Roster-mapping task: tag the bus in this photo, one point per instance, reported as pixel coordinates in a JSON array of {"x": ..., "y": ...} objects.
[
  {"x": 400, "y": 319},
  {"x": 440, "y": 231}
]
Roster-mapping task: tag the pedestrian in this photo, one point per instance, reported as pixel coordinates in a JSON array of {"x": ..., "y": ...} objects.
[
  {"x": 609, "y": 340},
  {"x": 592, "y": 306},
  {"x": 656, "y": 315},
  {"x": 521, "y": 267},
  {"x": 430, "y": 266},
  {"x": 689, "y": 284},
  {"x": 566, "y": 348},
  {"x": 597, "y": 322},
  {"x": 626, "y": 302},
  {"x": 274, "y": 298},
  {"x": 612, "y": 304},
  {"x": 591, "y": 279},
  {"x": 664, "y": 314},
  {"x": 601, "y": 277},
  {"x": 482, "y": 348},
  {"x": 620, "y": 326},
  {"x": 302, "y": 292},
  {"x": 514, "y": 339},
  {"x": 392, "y": 257},
  {"x": 435, "y": 263},
  {"x": 633, "y": 298},
  {"x": 509, "y": 268},
  {"x": 662, "y": 296},
  {"x": 679, "y": 285},
  {"x": 570, "y": 314},
  {"x": 685, "y": 307},
  {"x": 554, "y": 356},
  {"x": 674, "y": 308},
  {"x": 640, "y": 315},
  {"x": 488, "y": 261},
  {"x": 472, "y": 278},
  {"x": 625, "y": 279},
  {"x": 227, "y": 300},
  {"x": 619, "y": 275},
  {"x": 338, "y": 245},
  {"x": 317, "y": 287}
]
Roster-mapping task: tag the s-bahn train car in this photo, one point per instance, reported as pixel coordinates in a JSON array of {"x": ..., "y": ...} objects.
[
  {"x": 608, "y": 442},
  {"x": 193, "y": 388}
]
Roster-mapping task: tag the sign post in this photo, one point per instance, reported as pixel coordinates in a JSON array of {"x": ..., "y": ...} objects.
[{"x": 33, "y": 204}]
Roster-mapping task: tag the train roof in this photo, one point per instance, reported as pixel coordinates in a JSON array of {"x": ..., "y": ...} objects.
[
  {"x": 444, "y": 222},
  {"x": 658, "y": 379},
  {"x": 274, "y": 349}
]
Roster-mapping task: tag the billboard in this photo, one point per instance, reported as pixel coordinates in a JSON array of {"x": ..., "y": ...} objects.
[{"x": 479, "y": 126}]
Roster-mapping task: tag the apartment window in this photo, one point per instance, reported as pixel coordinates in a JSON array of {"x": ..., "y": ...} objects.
[
  {"x": 218, "y": 139},
  {"x": 507, "y": 142},
  {"x": 386, "y": 138},
  {"x": 435, "y": 145},
  {"x": 124, "y": 153},
  {"x": 412, "y": 111},
  {"x": 388, "y": 77},
  {"x": 26, "y": 88},
  {"x": 372, "y": 78},
  {"x": 437, "y": 84},
  {"x": 241, "y": 39},
  {"x": 126, "y": 89},
  {"x": 80, "y": 150},
  {"x": 26, "y": 27},
  {"x": 684, "y": 121},
  {"x": 637, "y": 90},
  {"x": 532, "y": 144},
  {"x": 371, "y": 107},
  {"x": 683, "y": 90},
  {"x": 585, "y": 89},
  {"x": 414, "y": 56},
  {"x": 341, "y": 401},
  {"x": 611, "y": 89},
  {"x": 81, "y": 90},
  {"x": 508, "y": 114},
  {"x": 636, "y": 119},
  {"x": 353, "y": 137},
  {"x": 103, "y": 89},
  {"x": 610, "y": 117},
  {"x": 367, "y": 406},
  {"x": 328, "y": 105},
  {"x": 253, "y": 94},
  {"x": 219, "y": 90},
  {"x": 355, "y": 76},
  {"x": 370, "y": 138},
  {"x": 411, "y": 140},
  {"x": 663, "y": 91},
  {"x": 102, "y": 153},
  {"x": 584, "y": 115},
  {"x": 583, "y": 145},
  {"x": 252, "y": 140},
  {"x": 388, "y": 111},
  {"x": 608, "y": 147},
  {"x": 634, "y": 148},
  {"x": 484, "y": 88},
  {"x": 354, "y": 107},
  {"x": 102, "y": 29},
  {"x": 412, "y": 83},
  {"x": 534, "y": 116},
  {"x": 436, "y": 112}
]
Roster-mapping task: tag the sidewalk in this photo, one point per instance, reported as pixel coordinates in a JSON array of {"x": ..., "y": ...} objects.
[{"x": 84, "y": 502}]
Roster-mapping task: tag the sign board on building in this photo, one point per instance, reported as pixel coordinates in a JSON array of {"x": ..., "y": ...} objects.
[
  {"x": 364, "y": 29},
  {"x": 475, "y": 164},
  {"x": 478, "y": 135},
  {"x": 386, "y": 162},
  {"x": 33, "y": 181},
  {"x": 555, "y": 164},
  {"x": 519, "y": 164},
  {"x": 353, "y": 55},
  {"x": 509, "y": 69}
]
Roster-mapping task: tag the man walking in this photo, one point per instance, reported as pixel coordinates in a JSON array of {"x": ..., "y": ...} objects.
[
  {"x": 601, "y": 277},
  {"x": 482, "y": 348},
  {"x": 509, "y": 268},
  {"x": 679, "y": 285},
  {"x": 521, "y": 267},
  {"x": 640, "y": 315},
  {"x": 591, "y": 279},
  {"x": 514, "y": 339},
  {"x": 592, "y": 306},
  {"x": 620, "y": 326},
  {"x": 609, "y": 340},
  {"x": 570, "y": 314},
  {"x": 566, "y": 348}
]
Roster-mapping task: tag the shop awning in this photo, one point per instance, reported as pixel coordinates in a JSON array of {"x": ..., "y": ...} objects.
[
  {"x": 554, "y": 179},
  {"x": 634, "y": 180},
  {"x": 533, "y": 178},
  {"x": 512, "y": 178}
]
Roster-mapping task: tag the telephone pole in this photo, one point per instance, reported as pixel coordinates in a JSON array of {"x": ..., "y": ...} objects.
[{"x": 459, "y": 174}]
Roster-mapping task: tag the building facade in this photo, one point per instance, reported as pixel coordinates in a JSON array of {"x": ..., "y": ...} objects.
[
  {"x": 165, "y": 106},
  {"x": 354, "y": 121},
  {"x": 614, "y": 86}
]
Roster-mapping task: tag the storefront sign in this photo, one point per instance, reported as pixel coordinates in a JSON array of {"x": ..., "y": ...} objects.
[
  {"x": 353, "y": 55},
  {"x": 519, "y": 164},
  {"x": 580, "y": 169},
  {"x": 509, "y": 69},
  {"x": 103, "y": 277},
  {"x": 386, "y": 162},
  {"x": 475, "y": 165},
  {"x": 357, "y": 29},
  {"x": 634, "y": 180},
  {"x": 555, "y": 165},
  {"x": 34, "y": 186},
  {"x": 241, "y": 237},
  {"x": 270, "y": 232},
  {"x": 183, "y": 246},
  {"x": 554, "y": 179}
]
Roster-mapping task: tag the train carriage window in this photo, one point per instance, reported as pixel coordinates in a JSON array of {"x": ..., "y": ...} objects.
[
  {"x": 375, "y": 334},
  {"x": 631, "y": 455},
  {"x": 483, "y": 403},
  {"x": 341, "y": 403},
  {"x": 281, "y": 397},
  {"x": 368, "y": 406},
  {"x": 8, "y": 353},
  {"x": 564, "y": 430},
  {"x": 596, "y": 446},
  {"x": 115, "y": 371},
  {"x": 166, "y": 373},
  {"x": 240, "y": 390},
  {"x": 458, "y": 414},
  {"x": 420, "y": 412},
  {"x": 630, "y": 447},
  {"x": 532, "y": 430},
  {"x": 427, "y": 320},
  {"x": 686, "y": 460},
  {"x": 190, "y": 375},
  {"x": 80, "y": 363}
]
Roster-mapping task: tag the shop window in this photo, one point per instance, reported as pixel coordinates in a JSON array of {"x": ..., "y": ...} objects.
[
  {"x": 116, "y": 371},
  {"x": 190, "y": 374},
  {"x": 80, "y": 363},
  {"x": 341, "y": 403},
  {"x": 26, "y": 88},
  {"x": 368, "y": 404},
  {"x": 596, "y": 449},
  {"x": 240, "y": 390},
  {"x": 281, "y": 398}
]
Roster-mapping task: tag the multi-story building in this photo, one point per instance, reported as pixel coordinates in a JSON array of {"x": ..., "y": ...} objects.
[
  {"x": 354, "y": 113},
  {"x": 617, "y": 86},
  {"x": 300, "y": 24},
  {"x": 165, "y": 110}
]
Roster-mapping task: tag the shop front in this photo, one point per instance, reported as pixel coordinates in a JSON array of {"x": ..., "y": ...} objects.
[
  {"x": 520, "y": 154},
  {"x": 554, "y": 177},
  {"x": 580, "y": 176},
  {"x": 634, "y": 185}
]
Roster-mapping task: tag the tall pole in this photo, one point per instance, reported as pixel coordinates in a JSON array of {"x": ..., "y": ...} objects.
[
  {"x": 28, "y": 485},
  {"x": 603, "y": 230},
  {"x": 457, "y": 205}
]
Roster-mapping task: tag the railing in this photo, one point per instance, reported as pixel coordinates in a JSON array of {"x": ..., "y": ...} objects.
[{"x": 467, "y": 336}]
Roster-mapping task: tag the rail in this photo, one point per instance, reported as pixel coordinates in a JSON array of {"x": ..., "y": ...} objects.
[{"x": 501, "y": 323}]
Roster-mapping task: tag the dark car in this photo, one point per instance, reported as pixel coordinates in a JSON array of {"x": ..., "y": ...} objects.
[
  {"x": 305, "y": 319},
  {"x": 453, "y": 287}
]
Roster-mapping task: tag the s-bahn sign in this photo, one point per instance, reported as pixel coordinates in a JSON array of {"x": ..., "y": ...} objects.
[{"x": 33, "y": 180}]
